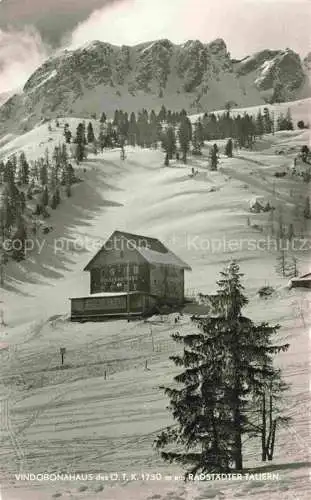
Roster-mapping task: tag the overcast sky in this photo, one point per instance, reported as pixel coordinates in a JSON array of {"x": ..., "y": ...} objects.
[{"x": 31, "y": 29}]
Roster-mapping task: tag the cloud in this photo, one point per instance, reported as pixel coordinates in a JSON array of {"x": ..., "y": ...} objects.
[
  {"x": 265, "y": 23},
  {"x": 133, "y": 21},
  {"x": 21, "y": 52}
]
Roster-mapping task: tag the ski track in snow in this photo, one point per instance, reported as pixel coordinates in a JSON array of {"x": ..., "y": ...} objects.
[{"x": 73, "y": 419}]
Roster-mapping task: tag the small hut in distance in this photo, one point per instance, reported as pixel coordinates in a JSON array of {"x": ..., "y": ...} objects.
[{"x": 301, "y": 281}]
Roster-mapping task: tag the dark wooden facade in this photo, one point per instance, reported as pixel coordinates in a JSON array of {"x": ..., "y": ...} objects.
[
  {"x": 97, "y": 307},
  {"x": 120, "y": 277}
]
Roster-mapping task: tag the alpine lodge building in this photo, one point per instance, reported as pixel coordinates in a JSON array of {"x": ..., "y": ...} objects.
[{"x": 131, "y": 275}]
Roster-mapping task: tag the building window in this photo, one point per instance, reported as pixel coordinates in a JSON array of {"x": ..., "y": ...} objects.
[
  {"x": 135, "y": 269},
  {"x": 121, "y": 254},
  {"x": 154, "y": 282}
]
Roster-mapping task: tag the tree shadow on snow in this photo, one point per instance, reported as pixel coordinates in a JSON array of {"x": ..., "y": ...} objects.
[
  {"x": 278, "y": 467},
  {"x": 57, "y": 252}
]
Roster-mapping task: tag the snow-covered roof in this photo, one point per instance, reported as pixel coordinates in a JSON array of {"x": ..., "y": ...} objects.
[
  {"x": 109, "y": 294},
  {"x": 151, "y": 249},
  {"x": 305, "y": 277},
  {"x": 168, "y": 258}
]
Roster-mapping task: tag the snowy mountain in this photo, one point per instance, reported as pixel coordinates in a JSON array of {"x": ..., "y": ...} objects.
[
  {"x": 279, "y": 73},
  {"x": 4, "y": 96},
  {"x": 196, "y": 76}
]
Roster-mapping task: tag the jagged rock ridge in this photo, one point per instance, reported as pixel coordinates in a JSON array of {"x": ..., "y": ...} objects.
[{"x": 197, "y": 76}]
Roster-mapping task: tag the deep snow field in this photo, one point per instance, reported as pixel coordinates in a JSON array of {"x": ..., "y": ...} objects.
[{"x": 78, "y": 420}]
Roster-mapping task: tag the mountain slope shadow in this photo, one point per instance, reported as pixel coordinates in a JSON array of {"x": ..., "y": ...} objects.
[{"x": 56, "y": 252}]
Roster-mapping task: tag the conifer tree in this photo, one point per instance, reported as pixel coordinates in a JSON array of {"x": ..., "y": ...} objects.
[
  {"x": 43, "y": 174},
  {"x": 23, "y": 169},
  {"x": 101, "y": 137},
  {"x": 229, "y": 148},
  {"x": 8, "y": 175},
  {"x": 290, "y": 125},
  {"x": 57, "y": 196},
  {"x": 45, "y": 197},
  {"x": 162, "y": 114},
  {"x": 53, "y": 179},
  {"x": 7, "y": 172},
  {"x": 116, "y": 118},
  {"x": 90, "y": 133},
  {"x": 267, "y": 121},
  {"x": 34, "y": 171},
  {"x": 67, "y": 133},
  {"x": 205, "y": 124},
  {"x": 80, "y": 141},
  {"x": 6, "y": 215},
  {"x": 169, "y": 142},
  {"x": 56, "y": 157},
  {"x": 305, "y": 153},
  {"x": 12, "y": 195},
  {"x": 185, "y": 136},
  {"x": 143, "y": 129},
  {"x": 123, "y": 126},
  {"x": 19, "y": 240},
  {"x": 22, "y": 202},
  {"x": 285, "y": 122},
  {"x": 132, "y": 131},
  {"x": 214, "y": 157},
  {"x": 227, "y": 367},
  {"x": 103, "y": 118},
  {"x": 71, "y": 174},
  {"x": 169, "y": 117},
  {"x": 110, "y": 136},
  {"x": 53, "y": 203},
  {"x": 63, "y": 155},
  {"x": 197, "y": 138},
  {"x": 153, "y": 124},
  {"x": 4, "y": 230},
  {"x": 14, "y": 163},
  {"x": 260, "y": 126}
]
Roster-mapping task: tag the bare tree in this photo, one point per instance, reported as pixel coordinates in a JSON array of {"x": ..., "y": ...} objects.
[{"x": 270, "y": 417}]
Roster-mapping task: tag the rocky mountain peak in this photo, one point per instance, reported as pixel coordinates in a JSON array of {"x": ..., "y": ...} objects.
[
  {"x": 307, "y": 61},
  {"x": 99, "y": 76},
  {"x": 218, "y": 46}
]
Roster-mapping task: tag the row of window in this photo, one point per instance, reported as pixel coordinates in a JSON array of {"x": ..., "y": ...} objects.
[
  {"x": 120, "y": 270},
  {"x": 120, "y": 287}
]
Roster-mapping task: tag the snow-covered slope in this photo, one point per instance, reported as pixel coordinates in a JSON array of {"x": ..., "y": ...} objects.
[
  {"x": 299, "y": 110},
  {"x": 76, "y": 420}
]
